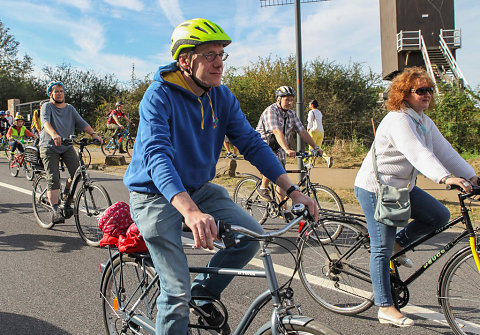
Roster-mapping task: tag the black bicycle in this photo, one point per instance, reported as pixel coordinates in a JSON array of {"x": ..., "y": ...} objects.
[
  {"x": 247, "y": 197},
  {"x": 89, "y": 199},
  {"x": 130, "y": 287},
  {"x": 335, "y": 269},
  {"x": 124, "y": 140}
]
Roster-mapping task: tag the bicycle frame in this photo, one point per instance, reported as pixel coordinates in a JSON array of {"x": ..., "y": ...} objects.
[
  {"x": 469, "y": 231},
  {"x": 273, "y": 293},
  {"x": 80, "y": 175}
]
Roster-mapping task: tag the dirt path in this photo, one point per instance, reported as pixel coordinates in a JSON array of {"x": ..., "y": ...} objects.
[{"x": 341, "y": 180}]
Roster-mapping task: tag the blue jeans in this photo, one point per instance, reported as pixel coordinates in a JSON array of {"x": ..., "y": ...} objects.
[
  {"x": 428, "y": 214},
  {"x": 161, "y": 226}
]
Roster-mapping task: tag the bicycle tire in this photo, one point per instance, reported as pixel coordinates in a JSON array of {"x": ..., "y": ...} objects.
[
  {"x": 329, "y": 269},
  {"x": 90, "y": 202},
  {"x": 132, "y": 274},
  {"x": 41, "y": 206},
  {"x": 109, "y": 147},
  {"x": 246, "y": 196},
  {"x": 129, "y": 146},
  {"x": 312, "y": 327},
  {"x": 29, "y": 171},
  {"x": 328, "y": 200},
  {"x": 459, "y": 294},
  {"x": 13, "y": 167},
  {"x": 87, "y": 157}
]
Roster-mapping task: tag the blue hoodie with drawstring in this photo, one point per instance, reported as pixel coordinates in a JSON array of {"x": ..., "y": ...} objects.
[{"x": 180, "y": 136}]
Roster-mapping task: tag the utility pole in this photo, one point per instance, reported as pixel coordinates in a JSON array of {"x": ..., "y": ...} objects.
[{"x": 298, "y": 40}]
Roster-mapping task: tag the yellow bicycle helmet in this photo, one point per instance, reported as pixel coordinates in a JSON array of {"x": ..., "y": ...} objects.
[
  {"x": 195, "y": 32},
  {"x": 19, "y": 117}
]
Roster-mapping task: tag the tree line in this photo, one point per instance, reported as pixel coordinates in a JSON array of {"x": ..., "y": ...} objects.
[{"x": 350, "y": 96}]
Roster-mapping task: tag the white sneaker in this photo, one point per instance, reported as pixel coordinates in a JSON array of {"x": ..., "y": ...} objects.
[{"x": 329, "y": 162}]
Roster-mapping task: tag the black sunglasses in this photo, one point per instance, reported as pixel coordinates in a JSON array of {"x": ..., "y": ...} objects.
[{"x": 422, "y": 90}]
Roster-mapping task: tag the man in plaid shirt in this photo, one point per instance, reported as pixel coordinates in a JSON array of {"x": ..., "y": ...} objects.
[{"x": 276, "y": 124}]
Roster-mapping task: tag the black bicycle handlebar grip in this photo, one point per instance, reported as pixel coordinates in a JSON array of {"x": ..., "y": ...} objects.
[{"x": 225, "y": 234}]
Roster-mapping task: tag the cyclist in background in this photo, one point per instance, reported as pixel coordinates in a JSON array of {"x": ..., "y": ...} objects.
[
  {"x": 9, "y": 117},
  {"x": 113, "y": 120},
  {"x": 59, "y": 120},
  {"x": 16, "y": 135},
  {"x": 184, "y": 117},
  {"x": 36, "y": 124},
  {"x": 4, "y": 124},
  {"x": 277, "y": 122}
]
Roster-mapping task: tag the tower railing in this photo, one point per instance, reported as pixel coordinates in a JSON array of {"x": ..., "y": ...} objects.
[
  {"x": 426, "y": 58},
  {"x": 452, "y": 37},
  {"x": 408, "y": 40},
  {"x": 451, "y": 61}
]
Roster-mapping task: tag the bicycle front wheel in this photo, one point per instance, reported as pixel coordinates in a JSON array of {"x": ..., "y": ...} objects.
[
  {"x": 129, "y": 146},
  {"x": 460, "y": 294},
  {"x": 14, "y": 167},
  {"x": 311, "y": 327},
  {"x": 326, "y": 198},
  {"x": 109, "y": 147},
  {"x": 87, "y": 157},
  {"x": 90, "y": 202},
  {"x": 131, "y": 279},
  {"x": 29, "y": 171},
  {"x": 246, "y": 196},
  {"x": 335, "y": 271},
  {"x": 41, "y": 206}
]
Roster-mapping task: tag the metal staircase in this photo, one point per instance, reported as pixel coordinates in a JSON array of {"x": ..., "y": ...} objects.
[{"x": 439, "y": 61}]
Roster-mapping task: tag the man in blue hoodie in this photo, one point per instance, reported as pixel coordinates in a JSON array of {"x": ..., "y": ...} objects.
[{"x": 184, "y": 117}]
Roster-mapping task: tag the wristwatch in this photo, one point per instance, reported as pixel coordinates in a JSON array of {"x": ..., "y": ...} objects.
[
  {"x": 292, "y": 188},
  {"x": 444, "y": 179},
  {"x": 316, "y": 147}
]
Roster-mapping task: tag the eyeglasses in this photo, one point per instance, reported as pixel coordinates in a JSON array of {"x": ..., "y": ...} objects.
[
  {"x": 211, "y": 56},
  {"x": 422, "y": 90}
]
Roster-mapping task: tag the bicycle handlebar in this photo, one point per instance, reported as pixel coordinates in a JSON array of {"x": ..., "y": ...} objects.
[
  {"x": 312, "y": 153},
  {"x": 475, "y": 190},
  {"x": 225, "y": 230},
  {"x": 83, "y": 142}
]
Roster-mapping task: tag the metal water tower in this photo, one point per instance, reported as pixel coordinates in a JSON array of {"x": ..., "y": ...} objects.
[{"x": 420, "y": 33}]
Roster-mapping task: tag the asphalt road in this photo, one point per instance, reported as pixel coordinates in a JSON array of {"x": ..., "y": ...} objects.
[{"x": 51, "y": 278}]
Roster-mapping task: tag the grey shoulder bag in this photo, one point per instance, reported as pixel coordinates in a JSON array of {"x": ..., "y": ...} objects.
[{"x": 393, "y": 204}]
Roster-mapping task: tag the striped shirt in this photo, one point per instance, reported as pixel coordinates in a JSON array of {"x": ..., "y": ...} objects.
[{"x": 272, "y": 118}]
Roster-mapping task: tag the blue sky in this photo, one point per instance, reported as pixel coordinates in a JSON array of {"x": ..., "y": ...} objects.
[{"x": 108, "y": 36}]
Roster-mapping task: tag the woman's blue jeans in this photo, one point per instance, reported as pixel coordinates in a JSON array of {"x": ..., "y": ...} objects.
[
  {"x": 161, "y": 227},
  {"x": 428, "y": 214}
]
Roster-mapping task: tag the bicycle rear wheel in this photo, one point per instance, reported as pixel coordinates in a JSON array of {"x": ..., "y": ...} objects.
[
  {"x": 109, "y": 147},
  {"x": 13, "y": 167},
  {"x": 129, "y": 275},
  {"x": 246, "y": 196},
  {"x": 335, "y": 271},
  {"x": 311, "y": 327},
  {"x": 459, "y": 294},
  {"x": 90, "y": 202},
  {"x": 41, "y": 206}
]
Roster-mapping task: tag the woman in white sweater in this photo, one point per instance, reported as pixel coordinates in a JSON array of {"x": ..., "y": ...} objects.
[{"x": 407, "y": 143}]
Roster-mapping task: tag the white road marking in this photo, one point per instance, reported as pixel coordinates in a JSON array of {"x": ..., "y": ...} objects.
[
  {"x": 16, "y": 188},
  {"x": 418, "y": 311}
]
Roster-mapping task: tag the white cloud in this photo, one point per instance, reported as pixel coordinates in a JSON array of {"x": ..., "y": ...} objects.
[
  {"x": 80, "y": 4},
  {"x": 88, "y": 36},
  {"x": 135, "y": 5},
  {"x": 172, "y": 11}
]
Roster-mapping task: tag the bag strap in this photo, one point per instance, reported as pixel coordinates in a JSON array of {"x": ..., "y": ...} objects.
[
  {"x": 374, "y": 162},
  {"x": 375, "y": 167}
]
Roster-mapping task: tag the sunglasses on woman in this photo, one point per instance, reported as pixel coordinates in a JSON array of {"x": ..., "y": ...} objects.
[{"x": 422, "y": 90}]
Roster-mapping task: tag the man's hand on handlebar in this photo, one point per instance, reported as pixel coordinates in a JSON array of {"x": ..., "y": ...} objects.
[
  {"x": 291, "y": 153},
  {"x": 300, "y": 198}
]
